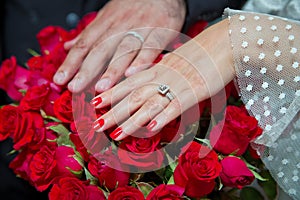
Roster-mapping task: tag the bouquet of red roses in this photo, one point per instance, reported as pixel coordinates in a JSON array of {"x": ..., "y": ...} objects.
[{"x": 58, "y": 150}]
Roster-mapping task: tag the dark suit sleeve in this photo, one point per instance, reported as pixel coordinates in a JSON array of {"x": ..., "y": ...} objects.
[{"x": 208, "y": 10}]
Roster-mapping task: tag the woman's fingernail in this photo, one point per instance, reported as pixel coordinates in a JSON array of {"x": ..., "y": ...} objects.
[
  {"x": 96, "y": 101},
  {"x": 98, "y": 124},
  {"x": 103, "y": 84},
  {"x": 116, "y": 133},
  {"x": 151, "y": 125},
  {"x": 59, "y": 77}
]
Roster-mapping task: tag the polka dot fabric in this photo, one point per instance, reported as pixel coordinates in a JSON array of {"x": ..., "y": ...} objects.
[{"x": 266, "y": 52}]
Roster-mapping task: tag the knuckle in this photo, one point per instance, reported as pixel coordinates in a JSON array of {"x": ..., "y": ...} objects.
[
  {"x": 112, "y": 71},
  {"x": 81, "y": 45},
  {"x": 130, "y": 82},
  {"x": 152, "y": 105},
  {"x": 99, "y": 49},
  {"x": 141, "y": 60},
  {"x": 124, "y": 47},
  {"x": 136, "y": 96},
  {"x": 152, "y": 44}
]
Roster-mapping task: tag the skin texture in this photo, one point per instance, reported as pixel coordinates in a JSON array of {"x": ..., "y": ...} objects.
[
  {"x": 104, "y": 53},
  {"x": 188, "y": 71}
]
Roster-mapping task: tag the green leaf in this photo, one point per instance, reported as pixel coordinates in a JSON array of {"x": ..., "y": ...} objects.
[
  {"x": 250, "y": 193},
  {"x": 169, "y": 172},
  {"x": 136, "y": 177},
  {"x": 145, "y": 188},
  {"x": 12, "y": 152},
  {"x": 78, "y": 174},
  {"x": 45, "y": 116},
  {"x": 204, "y": 141},
  {"x": 258, "y": 176},
  {"x": 60, "y": 129},
  {"x": 33, "y": 52},
  {"x": 78, "y": 158},
  {"x": 173, "y": 165},
  {"x": 171, "y": 181},
  {"x": 23, "y": 92},
  {"x": 251, "y": 167},
  {"x": 89, "y": 176},
  {"x": 64, "y": 133}
]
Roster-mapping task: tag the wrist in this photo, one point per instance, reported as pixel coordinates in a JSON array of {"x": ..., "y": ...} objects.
[{"x": 216, "y": 42}]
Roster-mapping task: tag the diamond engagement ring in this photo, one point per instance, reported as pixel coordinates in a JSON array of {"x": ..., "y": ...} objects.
[
  {"x": 137, "y": 35},
  {"x": 165, "y": 91}
]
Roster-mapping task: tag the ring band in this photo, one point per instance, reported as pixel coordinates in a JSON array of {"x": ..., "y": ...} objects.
[
  {"x": 165, "y": 91},
  {"x": 137, "y": 35}
]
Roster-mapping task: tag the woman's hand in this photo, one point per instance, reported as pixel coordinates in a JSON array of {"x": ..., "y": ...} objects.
[
  {"x": 106, "y": 42},
  {"x": 194, "y": 72}
]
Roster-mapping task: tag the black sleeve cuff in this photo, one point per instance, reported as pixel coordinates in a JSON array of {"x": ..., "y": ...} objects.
[{"x": 207, "y": 10}]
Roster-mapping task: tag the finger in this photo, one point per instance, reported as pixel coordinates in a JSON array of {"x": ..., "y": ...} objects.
[
  {"x": 155, "y": 43},
  {"x": 121, "y": 90},
  {"x": 76, "y": 56},
  {"x": 96, "y": 61},
  {"x": 148, "y": 111},
  {"x": 80, "y": 49},
  {"x": 173, "y": 110},
  {"x": 69, "y": 44},
  {"x": 125, "y": 53},
  {"x": 124, "y": 108}
]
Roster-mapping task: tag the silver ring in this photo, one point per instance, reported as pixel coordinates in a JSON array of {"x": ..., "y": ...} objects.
[
  {"x": 137, "y": 35},
  {"x": 165, "y": 91}
]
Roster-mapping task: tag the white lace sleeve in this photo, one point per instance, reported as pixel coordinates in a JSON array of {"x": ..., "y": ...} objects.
[{"x": 266, "y": 53}]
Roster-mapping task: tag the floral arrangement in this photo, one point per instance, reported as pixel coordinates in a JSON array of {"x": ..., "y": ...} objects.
[{"x": 57, "y": 149}]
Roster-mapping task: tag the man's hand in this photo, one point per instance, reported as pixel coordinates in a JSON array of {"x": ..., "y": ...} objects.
[{"x": 104, "y": 52}]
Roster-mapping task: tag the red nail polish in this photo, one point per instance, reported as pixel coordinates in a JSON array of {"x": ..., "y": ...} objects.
[
  {"x": 151, "y": 125},
  {"x": 98, "y": 124},
  {"x": 116, "y": 133},
  {"x": 96, "y": 101}
]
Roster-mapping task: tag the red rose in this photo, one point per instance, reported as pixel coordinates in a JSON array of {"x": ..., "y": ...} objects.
[
  {"x": 42, "y": 167},
  {"x": 82, "y": 107},
  {"x": 235, "y": 133},
  {"x": 85, "y": 138},
  {"x": 235, "y": 173},
  {"x": 51, "y": 36},
  {"x": 13, "y": 78},
  {"x": 172, "y": 131},
  {"x": 63, "y": 107},
  {"x": 28, "y": 124},
  {"x": 69, "y": 188},
  {"x": 8, "y": 116},
  {"x": 197, "y": 170},
  {"x": 126, "y": 192},
  {"x": 43, "y": 136},
  {"x": 253, "y": 153},
  {"x": 35, "y": 98},
  {"x": 47, "y": 65},
  {"x": 20, "y": 164},
  {"x": 108, "y": 176},
  {"x": 144, "y": 152},
  {"x": 197, "y": 28},
  {"x": 65, "y": 158},
  {"x": 162, "y": 192}
]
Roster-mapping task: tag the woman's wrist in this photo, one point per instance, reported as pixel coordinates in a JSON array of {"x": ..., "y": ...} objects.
[{"x": 216, "y": 42}]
